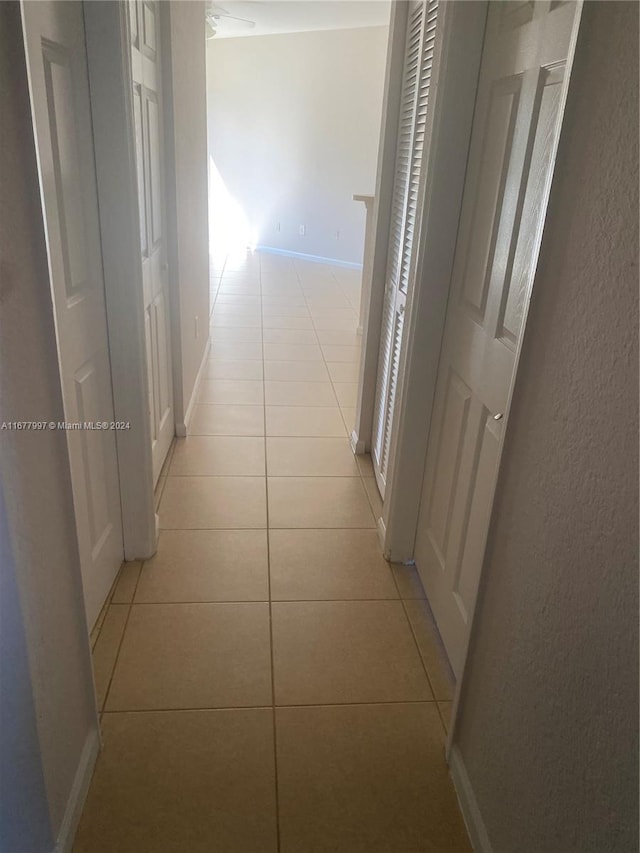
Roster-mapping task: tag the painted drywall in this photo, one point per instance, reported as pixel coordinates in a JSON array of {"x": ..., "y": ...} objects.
[
  {"x": 40, "y": 562},
  {"x": 185, "y": 98},
  {"x": 548, "y": 723},
  {"x": 294, "y": 124}
]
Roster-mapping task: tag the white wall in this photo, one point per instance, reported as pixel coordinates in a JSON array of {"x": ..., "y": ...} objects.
[
  {"x": 47, "y": 705},
  {"x": 185, "y": 99},
  {"x": 548, "y": 726},
  {"x": 294, "y": 123}
]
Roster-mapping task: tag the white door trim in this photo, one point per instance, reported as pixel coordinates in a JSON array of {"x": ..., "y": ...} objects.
[
  {"x": 454, "y": 92},
  {"x": 372, "y": 319},
  {"x": 110, "y": 84}
]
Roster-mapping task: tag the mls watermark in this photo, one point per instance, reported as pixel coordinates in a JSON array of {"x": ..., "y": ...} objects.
[{"x": 64, "y": 425}]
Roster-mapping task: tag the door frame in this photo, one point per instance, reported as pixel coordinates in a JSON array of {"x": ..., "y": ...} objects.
[
  {"x": 109, "y": 66},
  {"x": 449, "y": 121},
  {"x": 452, "y": 115},
  {"x": 377, "y": 267}
]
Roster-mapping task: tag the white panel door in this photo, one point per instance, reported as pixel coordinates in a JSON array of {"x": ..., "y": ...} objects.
[
  {"x": 57, "y": 64},
  {"x": 148, "y": 122},
  {"x": 516, "y": 125},
  {"x": 418, "y": 62}
]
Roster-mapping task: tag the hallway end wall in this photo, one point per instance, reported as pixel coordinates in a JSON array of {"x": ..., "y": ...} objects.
[
  {"x": 547, "y": 729},
  {"x": 294, "y": 124},
  {"x": 187, "y": 197}
]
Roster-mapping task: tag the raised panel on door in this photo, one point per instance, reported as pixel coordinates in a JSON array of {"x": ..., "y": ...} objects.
[
  {"x": 513, "y": 142},
  {"x": 59, "y": 89},
  {"x": 491, "y": 169}
]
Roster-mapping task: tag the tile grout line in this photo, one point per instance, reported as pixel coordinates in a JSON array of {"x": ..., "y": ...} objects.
[
  {"x": 271, "y": 707},
  {"x": 271, "y": 649},
  {"x": 417, "y": 645}
]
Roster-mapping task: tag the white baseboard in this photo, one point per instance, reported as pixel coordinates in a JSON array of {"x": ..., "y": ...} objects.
[
  {"x": 382, "y": 535},
  {"x": 357, "y": 446},
  {"x": 183, "y": 428},
  {"x": 316, "y": 258},
  {"x": 78, "y": 794},
  {"x": 468, "y": 803}
]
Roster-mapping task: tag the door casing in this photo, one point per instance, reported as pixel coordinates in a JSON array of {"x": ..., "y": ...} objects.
[
  {"x": 452, "y": 115},
  {"x": 108, "y": 53}
]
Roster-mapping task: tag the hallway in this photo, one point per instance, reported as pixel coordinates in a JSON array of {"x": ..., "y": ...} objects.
[{"x": 267, "y": 682}]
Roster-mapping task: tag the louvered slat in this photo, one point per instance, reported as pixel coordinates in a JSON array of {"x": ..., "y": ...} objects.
[{"x": 418, "y": 60}]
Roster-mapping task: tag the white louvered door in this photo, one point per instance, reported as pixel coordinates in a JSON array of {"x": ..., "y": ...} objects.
[{"x": 418, "y": 61}]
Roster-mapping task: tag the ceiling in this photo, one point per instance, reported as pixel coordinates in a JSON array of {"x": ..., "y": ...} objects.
[{"x": 296, "y": 16}]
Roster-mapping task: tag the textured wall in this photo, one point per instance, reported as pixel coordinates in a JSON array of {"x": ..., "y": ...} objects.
[
  {"x": 294, "y": 124},
  {"x": 549, "y": 715},
  {"x": 40, "y": 564}
]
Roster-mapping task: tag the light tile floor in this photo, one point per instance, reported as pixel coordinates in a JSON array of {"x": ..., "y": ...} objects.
[{"x": 267, "y": 682}]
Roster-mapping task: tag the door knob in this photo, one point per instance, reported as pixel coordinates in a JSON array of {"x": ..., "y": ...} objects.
[{"x": 498, "y": 417}]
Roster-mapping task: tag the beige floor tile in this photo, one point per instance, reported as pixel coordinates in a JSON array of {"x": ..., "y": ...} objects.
[
  {"x": 213, "y": 503},
  {"x": 380, "y": 783},
  {"x": 329, "y": 652},
  {"x": 126, "y": 583},
  {"x": 292, "y": 352},
  {"x": 275, "y": 297},
  {"x": 222, "y": 319},
  {"x": 290, "y": 336},
  {"x": 445, "y": 713},
  {"x": 349, "y": 417},
  {"x": 318, "y": 502},
  {"x": 374, "y": 495},
  {"x": 232, "y": 351},
  {"x": 193, "y": 656},
  {"x": 240, "y": 289},
  {"x": 328, "y": 564},
  {"x": 347, "y": 394},
  {"x": 287, "y": 323},
  {"x": 341, "y": 354},
  {"x": 304, "y": 421},
  {"x": 206, "y": 565},
  {"x": 220, "y": 419},
  {"x": 343, "y": 371},
  {"x": 218, "y": 455},
  {"x": 329, "y": 302},
  {"x": 408, "y": 581},
  {"x": 310, "y": 457},
  {"x": 232, "y": 370},
  {"x": 231, "y": 391},
  {"x": 338, "y": 338},
  {"x": 295, "y": 371},
  {"x": 171, "y": 782},
  {"x": 240, "y": 334},
  {"x": 106, "y": 648},
  {"x": 299, "y": 394},
  {"x": 338, "y": 319},
  {"x": 285, "y": 310},
  {"x": 239, "y": 301},
  {"x": 431, "y": 648}
]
